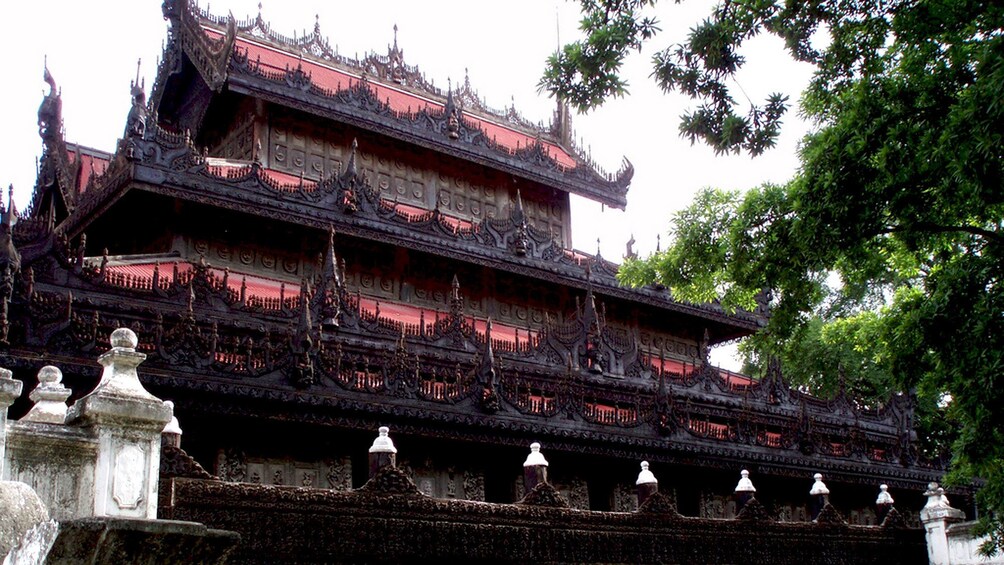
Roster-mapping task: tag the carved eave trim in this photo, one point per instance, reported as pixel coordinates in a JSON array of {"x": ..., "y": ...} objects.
[
  {"x": 192, "y": 187},
  {"x": 330, "y": 108},
  {"x": 462, "y": 422}
]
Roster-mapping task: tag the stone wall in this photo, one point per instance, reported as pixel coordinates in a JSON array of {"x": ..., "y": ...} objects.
[{"x": 390, "y": 521}]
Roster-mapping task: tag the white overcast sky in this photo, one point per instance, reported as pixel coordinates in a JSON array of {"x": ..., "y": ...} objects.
[{"x": 92, "y": 49}]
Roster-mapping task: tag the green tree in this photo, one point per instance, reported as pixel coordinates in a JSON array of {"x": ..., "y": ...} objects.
[{"x": 900, "y": 194}]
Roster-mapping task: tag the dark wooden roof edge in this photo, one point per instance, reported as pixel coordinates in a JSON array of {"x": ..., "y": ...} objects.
[{"x": 602, "y": 280}]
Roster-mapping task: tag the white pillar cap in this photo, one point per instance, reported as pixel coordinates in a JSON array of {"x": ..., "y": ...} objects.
[
  {"x": 383, "y": 443},
  {"x": 535, "y": 458},
  {"x": 645, "y": 477},
  {"x": 49, "y": 397},
  {"x": 172, "y": 427},
  {"x": 745, "y": 484},
  {"x": 884, "y": 497},
  {"x": 818, "y": 487}
]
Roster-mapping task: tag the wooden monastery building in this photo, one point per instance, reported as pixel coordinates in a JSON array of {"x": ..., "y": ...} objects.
[{"x": 310, "y": 246}]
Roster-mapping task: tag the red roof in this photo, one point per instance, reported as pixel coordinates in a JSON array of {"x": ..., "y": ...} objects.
[
  {"x": 92, "y": 164},
  {"x": 274, "y": 60},
  {"x": 266, "y": 292}
]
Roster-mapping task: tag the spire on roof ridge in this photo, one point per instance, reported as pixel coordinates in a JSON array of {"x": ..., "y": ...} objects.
[{"x": 350, "y": 165}]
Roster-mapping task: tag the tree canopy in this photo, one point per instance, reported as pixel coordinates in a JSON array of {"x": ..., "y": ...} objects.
[{"x": 900, "y": 197}]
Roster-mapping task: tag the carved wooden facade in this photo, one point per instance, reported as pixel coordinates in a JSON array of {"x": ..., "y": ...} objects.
[{"x": 296, "y": 244}]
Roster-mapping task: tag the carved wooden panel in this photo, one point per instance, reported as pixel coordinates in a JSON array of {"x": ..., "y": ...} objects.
[
  {"x": 235, "y": 466},
  {"x": 245, "y": 258},
  {"x": 410, "y": 175},
  {"x": 654, "y": 343},
  {"x": 238, "y": 143}
]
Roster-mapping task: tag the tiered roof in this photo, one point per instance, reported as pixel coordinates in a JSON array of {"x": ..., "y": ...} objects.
[
  {"x": 385, "y": 95},
  {"x": 237, "y": 338}
]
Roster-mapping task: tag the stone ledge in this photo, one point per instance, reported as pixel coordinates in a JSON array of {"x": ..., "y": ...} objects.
[{"x": 125, "y": 540}]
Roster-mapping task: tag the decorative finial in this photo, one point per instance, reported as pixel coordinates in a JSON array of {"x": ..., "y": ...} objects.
[
  {"x": 646, "y": 477},
  {"x": 535, "y": 458},
  {"x": 172, "y": 427},
  {"x": 818, "y": 487},
  {"x": 49, "y": 397},
  {"x": 124, "y": 338},
  {"x": 745, "y": 484},
  {"x": 884, "y": 497},
  {"x": 383, "y": 443}
]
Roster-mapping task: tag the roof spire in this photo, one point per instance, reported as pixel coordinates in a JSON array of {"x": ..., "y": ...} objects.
[
  {"x": 8, "y": 213},
  {"x": 452, "y": 113},
  {"x": 486, "y": 369},
  {"x": 329, "y": 291},
  {"x": 350, "y": 166}
]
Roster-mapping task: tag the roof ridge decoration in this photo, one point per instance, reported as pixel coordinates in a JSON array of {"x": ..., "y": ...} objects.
[
  {"x": 390, "y": 67},
  {"x": 390, "y": 71}
]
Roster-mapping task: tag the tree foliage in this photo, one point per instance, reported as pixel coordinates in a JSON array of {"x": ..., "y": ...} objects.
[{"x": 900, "y": 195}]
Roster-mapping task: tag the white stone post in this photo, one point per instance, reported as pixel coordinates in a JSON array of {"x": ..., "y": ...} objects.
[
  {"x": 819, "y": 495},
  {"x": 382, "y": 452},
  {"x": 10, "y": 389},
  {"x": 534, "y": 468},
  {"x": 49, "y": 397},
  {"x": 937, "y": 515},
  {"x": 646, "y": 484},
  {"x": 127, "y": 421},
  {"x": 171, "y": 434},
  {"x": 744, "y": 489},
  {"x": 883, "y": 503}
]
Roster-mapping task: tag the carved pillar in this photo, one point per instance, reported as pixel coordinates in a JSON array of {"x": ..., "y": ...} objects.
[
  {"x": 10, "y": 389},
  {"x": 127, "y": 422}
]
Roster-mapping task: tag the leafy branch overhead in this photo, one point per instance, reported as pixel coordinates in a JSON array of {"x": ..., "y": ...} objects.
[{"x": 899, "y": 199}]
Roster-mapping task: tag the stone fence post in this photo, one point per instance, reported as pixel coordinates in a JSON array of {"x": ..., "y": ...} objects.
[
  {"x": 819, "y": 495},
  {"x": 744, "y": 490},
  {"x": 127, "y": 422},
  {"x": 883, "y": 504},
  {"x": 937, "y": 515},
  {"x": 10, "y": 389},
  {"x": 534, "y": 468},
  {"x": 382, "y": 453},
  {"x": 646, "y": 484}
]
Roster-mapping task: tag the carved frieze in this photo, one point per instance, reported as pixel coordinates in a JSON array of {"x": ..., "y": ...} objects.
[
  {"x": 235, "y": 466},
  {"x": 404, "y": 175}
]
